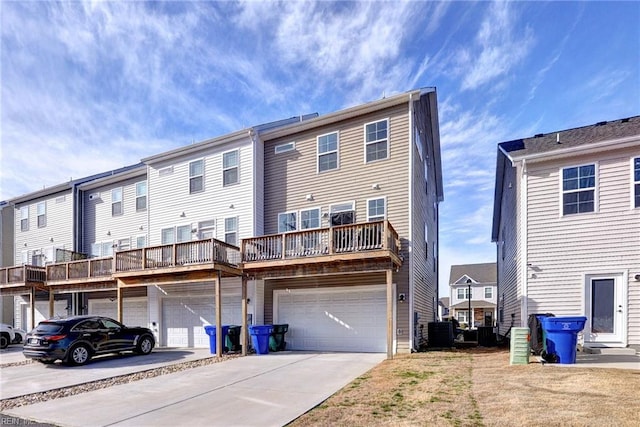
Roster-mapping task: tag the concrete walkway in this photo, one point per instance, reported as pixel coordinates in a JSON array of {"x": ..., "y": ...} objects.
[{"x": 266, "y": 390}]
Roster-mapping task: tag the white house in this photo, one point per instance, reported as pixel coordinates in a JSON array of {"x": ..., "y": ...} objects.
[{"x": 475, "y": 285}]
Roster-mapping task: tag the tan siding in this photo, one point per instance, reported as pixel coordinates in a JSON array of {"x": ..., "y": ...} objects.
[{"x": 563, "y": 249}]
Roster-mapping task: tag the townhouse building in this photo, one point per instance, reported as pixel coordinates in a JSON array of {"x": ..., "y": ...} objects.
[
  {"x": 566, "y": 222},
  {"x": 475, "y": 286}
]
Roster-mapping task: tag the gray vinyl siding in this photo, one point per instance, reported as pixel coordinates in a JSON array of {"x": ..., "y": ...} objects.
[
  {"x": 423, "y": 253},
  {"x": 509, "y": 296},
  {"x": 57, "y": 233},
  {"x": 562, "y": 249},
  {"x": 99, "y": 223},
  {"x": 290, "y": 176},
  {"x": 169, "y": 195}
]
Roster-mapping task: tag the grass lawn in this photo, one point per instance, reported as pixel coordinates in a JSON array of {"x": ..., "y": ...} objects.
[{"x": 478, "y": 387}]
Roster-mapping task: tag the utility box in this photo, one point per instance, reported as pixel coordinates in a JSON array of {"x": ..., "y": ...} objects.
[{"x": 520, "y": 346}]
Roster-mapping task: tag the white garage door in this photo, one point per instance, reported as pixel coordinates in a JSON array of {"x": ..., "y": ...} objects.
[
  {"x": 344, "y": 319},
  {"x": 42, "y": 312},
  {"x": 134, "y": 310},
  {"x": 183, "y": 319}
]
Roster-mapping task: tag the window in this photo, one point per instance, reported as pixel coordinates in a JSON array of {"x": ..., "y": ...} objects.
[
  {"x": 230, "y": 168},
  {"x": 207, "y": 229},
  {"x": 488, "y": 293},
  {"x": 183, "y": 233},
  {"x": 462, "y": 316},
  {"x": 376, "y": 141},
  {"x": 102, "y": 249},
  {"x": 283, "y": 148},
  {"x": 418, "y": 142},
  {"x": 116, "y": 201},
  {"x": 196, "y": 176},
  {"x": 165, "y": 171},
  {"x": 168, "y": 236},
  {"x": 376, "y": 209},
  {"x": 328, "y": 152},
  {"x": 463, "y": 293},
  {"x": 287, "y": 221},
  {"x": 141, "y": 196},
  {"x": 141, "y": 241},
  {"x": 24, "y": 218},
  {"x": 578, "y": 189},
  {"x": 636, "y": 180},
  {"x": 342, "y": 213},
  {"x": 124, "y": 244},
  {"x": 309, "y": 218},
  {"x": 42, "y": 214},
  {"x": 231, "y": 230}
]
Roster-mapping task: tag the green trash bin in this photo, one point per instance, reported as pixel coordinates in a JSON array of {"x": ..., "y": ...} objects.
[
  {"x": 276, "y": 338},
  {"x": 233, "y": 338}
]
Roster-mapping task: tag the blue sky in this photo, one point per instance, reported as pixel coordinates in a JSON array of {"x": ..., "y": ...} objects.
[{"x": 93, "y": 86}]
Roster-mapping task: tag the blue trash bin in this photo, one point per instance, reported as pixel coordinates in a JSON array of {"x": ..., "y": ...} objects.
[
  {"x": 260, "y": 337},
  {"x": 561, "y": 336},
  {"x": 211, "y": 331}
]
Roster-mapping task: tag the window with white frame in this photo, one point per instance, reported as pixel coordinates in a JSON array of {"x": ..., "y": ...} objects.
[
  {"x": 141, "y": 196},
  {"x": 168, "y": 236},
  {"x": 488, "y": 292},
  {"x": 376, "y": 209},
  {"x": 24, "y": 218},
  {"x": 231, "y": 230},
  {"x": 42, "y": 214},
  {"x": 309, "y": 218},
  {"x": 328, "y": 146},
  {"x": 230, "y": 168},
  {"x": 287, "y": 221},
  {"x": 462, "y": 316},
  {"x": 116, "y": 201},
  {"x": 124, "y": 244},
  {"x": 636, "y": 181},
  {"x": 141, "y": 241},
  {"x": 207, "y": 229},
  {"x": 342, "y": 213},
  {"x": 102, "y": 249},
  {"x": 376, "y": 140},
  {"x": 578, "y": 189},
  {"x": 196, "y": 176},
  {"x": 283, "y": 148},
  {"x": 463, "y": 293},
  {"x": 183, "y": 233}
]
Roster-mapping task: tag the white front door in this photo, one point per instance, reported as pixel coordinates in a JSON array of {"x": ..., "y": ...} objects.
[{"x": 605, "y": 310}]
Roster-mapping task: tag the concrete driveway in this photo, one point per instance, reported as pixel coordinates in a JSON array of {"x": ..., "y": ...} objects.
[{"x": 264, "y": 390}]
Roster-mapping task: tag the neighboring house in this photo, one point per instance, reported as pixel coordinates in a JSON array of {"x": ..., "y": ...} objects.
[
  {"x": 351, "y": 218},
  {"x": 567, "y": 225},
  {"x": 327, "y": 223},
  {"x": 443, "y": 308},
  {"x": 475, "y": 283}
]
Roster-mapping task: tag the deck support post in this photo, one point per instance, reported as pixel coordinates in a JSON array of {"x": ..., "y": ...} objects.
[
  {"x": 243, "y": 330},
  {"x": 219, "y": 342},
  {"x": 119, "y": 299},
  {"x": 32, "y": 301},
  {"x": 390, "y": 302},
  {"x": 51, "y": 302}
]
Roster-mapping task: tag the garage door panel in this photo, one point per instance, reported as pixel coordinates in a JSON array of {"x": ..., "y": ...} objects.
[
  {"x": 331, "y": 320},
  {"x": 134, "y": 311}
]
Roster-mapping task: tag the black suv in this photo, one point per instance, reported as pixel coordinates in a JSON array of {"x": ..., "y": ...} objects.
[{"x": 75, "y": 340}]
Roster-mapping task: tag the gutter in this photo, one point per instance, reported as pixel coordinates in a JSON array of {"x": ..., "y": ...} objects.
[
  {"x": 524, "y": 244},
  {"x": 412, "y": 341}
]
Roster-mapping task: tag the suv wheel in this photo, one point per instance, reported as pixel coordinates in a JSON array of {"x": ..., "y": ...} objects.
[
  {"x": 79, "y": 355},
  {"x": 4, "y": 340},
  {"x": 145, "y": 345}
]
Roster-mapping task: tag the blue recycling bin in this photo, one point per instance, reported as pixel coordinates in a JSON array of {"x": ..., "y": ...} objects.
[
  {"x": 211, "y": 331},
  {"x": 561, "y": 336},
  {"x": 260, "y": 337}
]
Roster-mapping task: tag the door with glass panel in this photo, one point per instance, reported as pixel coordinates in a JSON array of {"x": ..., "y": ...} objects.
[{"x": 605, "y": 311}]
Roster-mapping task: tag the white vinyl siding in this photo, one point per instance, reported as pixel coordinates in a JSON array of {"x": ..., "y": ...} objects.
[{"x": 328, "y": 152}]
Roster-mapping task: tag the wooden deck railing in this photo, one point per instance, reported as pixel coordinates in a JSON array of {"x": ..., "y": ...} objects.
[
  {"x": 22, "y": 274},
  {"x": 178, "y": 254},
  {"x": 82, "y": 269},
  {"x": 376, "y": 235}
]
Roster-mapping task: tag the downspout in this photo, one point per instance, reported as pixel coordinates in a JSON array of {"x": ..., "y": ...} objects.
[
  {"x": 524, "y": 309},
  {"x": 412, "y": 341}
]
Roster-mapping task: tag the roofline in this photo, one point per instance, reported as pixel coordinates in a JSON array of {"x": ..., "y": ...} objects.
[
  {"x": 199, "y": 146},
  {"x": 344, "y": 114},
  {"x": 136, "y": 170},
  {"x": 628, "y": 141}
]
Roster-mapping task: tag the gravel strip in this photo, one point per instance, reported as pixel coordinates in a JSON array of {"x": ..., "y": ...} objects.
[
  {"x": 22, "y": 362},
  {"x": 29, "y": 399}
]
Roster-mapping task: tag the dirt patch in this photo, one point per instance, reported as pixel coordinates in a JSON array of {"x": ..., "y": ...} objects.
[{"x": 479, "y": 388}]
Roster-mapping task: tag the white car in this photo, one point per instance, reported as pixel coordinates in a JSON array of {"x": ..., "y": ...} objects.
[{"x": 10, "y": 335}]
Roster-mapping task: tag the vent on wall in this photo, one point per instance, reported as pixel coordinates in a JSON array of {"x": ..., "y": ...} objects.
[{"x": 94, "y": 196}]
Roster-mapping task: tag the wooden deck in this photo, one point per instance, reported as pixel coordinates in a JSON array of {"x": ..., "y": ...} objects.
[{"x": 22, "y": 277}]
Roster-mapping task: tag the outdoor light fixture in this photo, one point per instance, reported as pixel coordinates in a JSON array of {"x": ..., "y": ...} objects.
[
  {"x": 637, "y": 275},
  {"x": 309, "y": 197},
  {"x": 182, "y": 215},
  {"x": 375, "y": 186}
]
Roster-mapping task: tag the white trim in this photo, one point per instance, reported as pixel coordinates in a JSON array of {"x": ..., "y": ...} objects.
[
  {"x": 237, "y": 166},
  {"x": 353, "y": 207},
  {"x": 388, "y": 139},
  {"x": 337, "y": 151},
  {"x": 621, "y": 279},
  {"x": 524, "y": 274},
  {"x": 384, "y": 199},
  {"x": 284, "y": 148}
]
